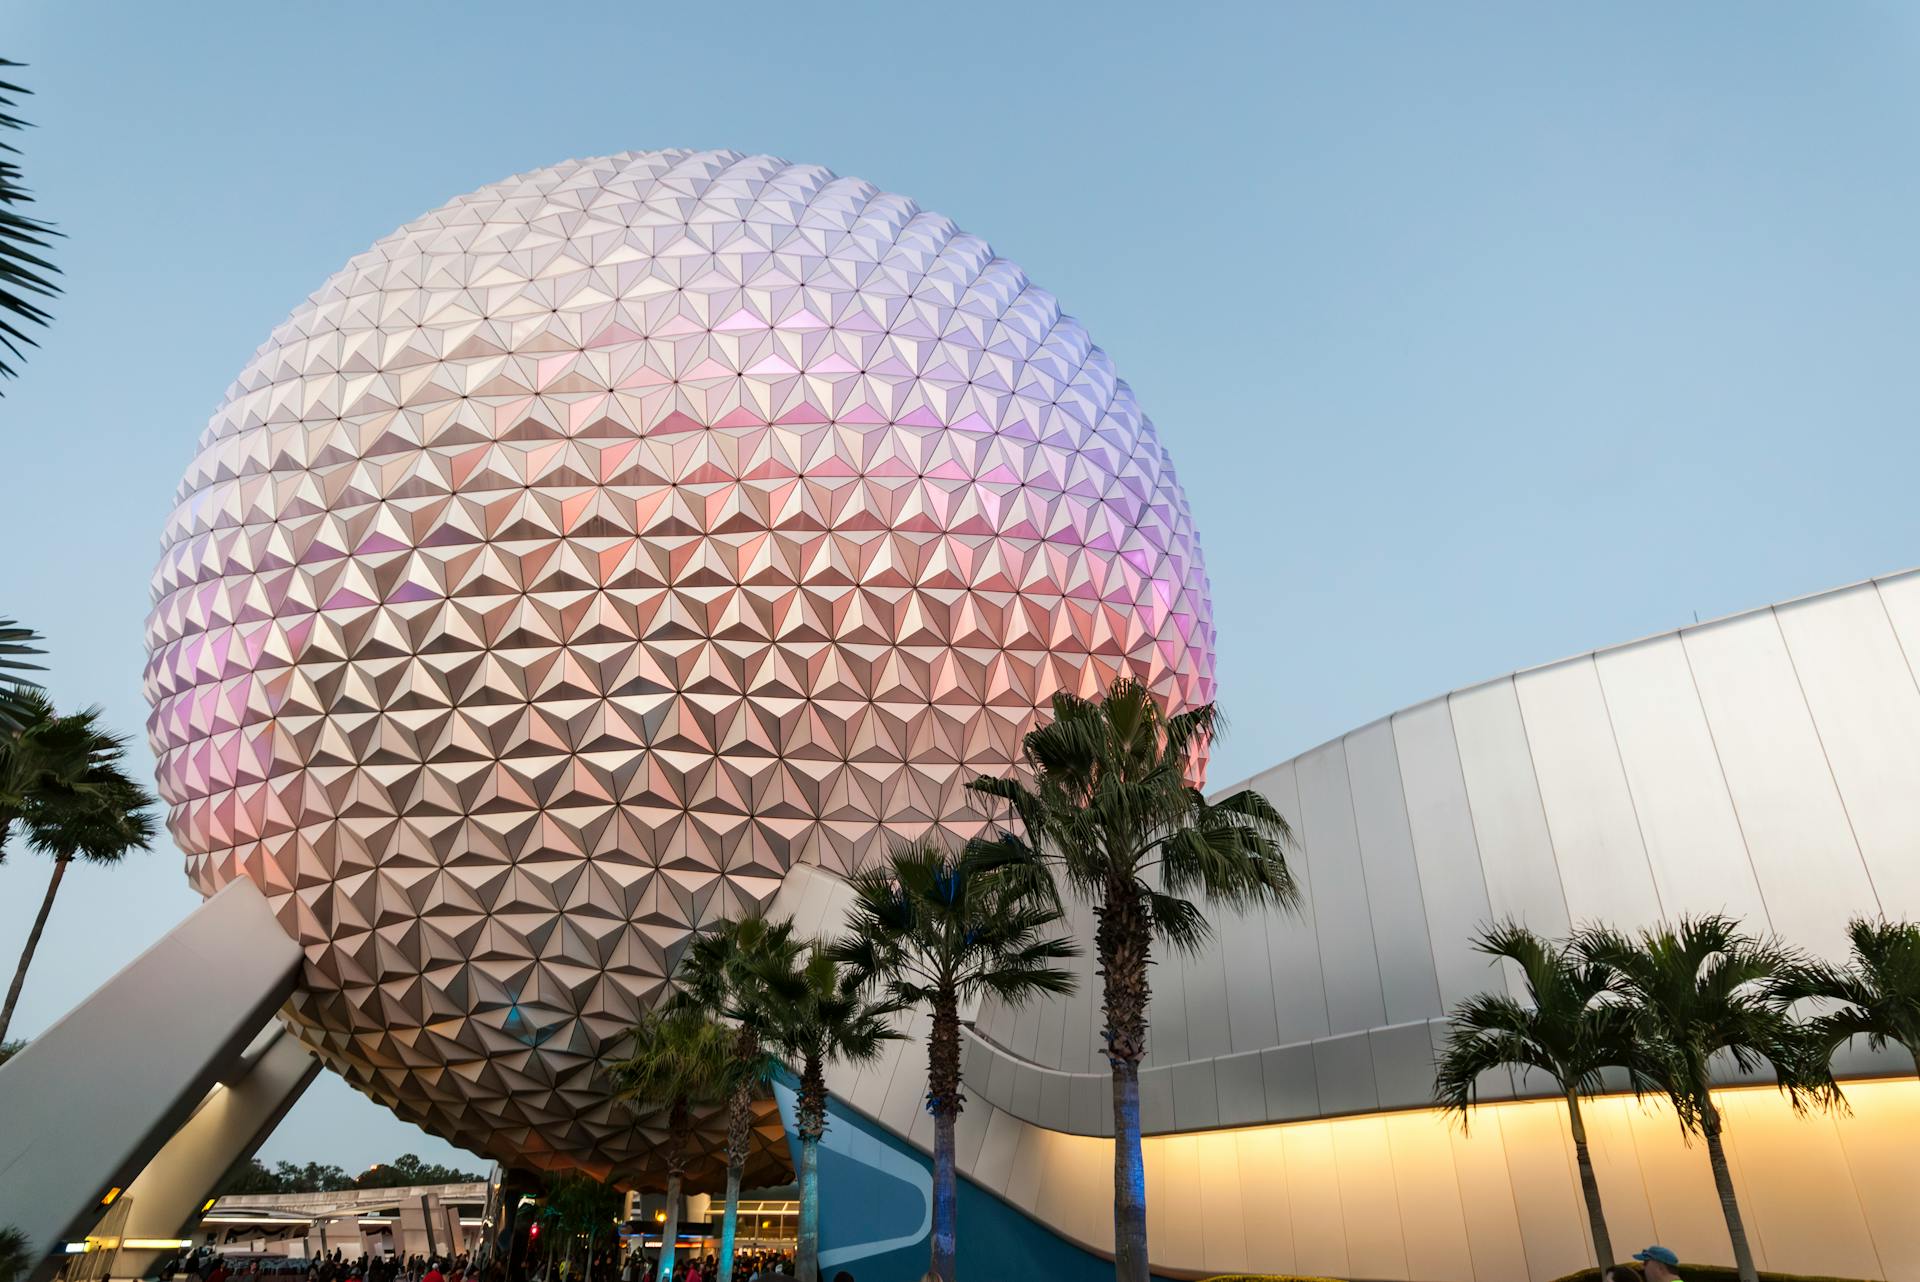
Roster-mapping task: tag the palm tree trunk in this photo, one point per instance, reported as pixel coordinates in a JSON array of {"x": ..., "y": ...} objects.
[
  {"x": 33, "y": 942},
  {"x": 729, "y": 1223},
  {"x": 1729, "y": 1204},
  {"x": 670, "y": 1231},
  {"x": 679, "y": 1136},
  {"x": 1123, "y": 939},
  {"x": 811, "y": 1116},
  {"x": 1129, "y": 1177},
  {"x": 806, "y": 1256},
  {"x": 944, "y": 1102},
  {"x": 746, "y": 1052},
  {"x": 1590, "y": 1187}
]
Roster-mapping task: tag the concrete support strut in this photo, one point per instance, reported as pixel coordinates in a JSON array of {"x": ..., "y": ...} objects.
[
  {"x": 86, "y": 1106},
  {"x": 231, "y": 1122}
]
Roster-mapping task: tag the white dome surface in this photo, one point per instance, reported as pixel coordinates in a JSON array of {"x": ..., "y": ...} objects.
[{"x": 595, "y": 547}]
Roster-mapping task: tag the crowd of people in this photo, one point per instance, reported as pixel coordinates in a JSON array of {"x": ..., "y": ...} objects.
[
  {"x": 207, "y": 1265},
  {"x": 748, "y": 1266}
]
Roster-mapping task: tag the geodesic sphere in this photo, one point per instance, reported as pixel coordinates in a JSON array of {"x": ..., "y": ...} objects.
[{"x": 593, "y": 548}]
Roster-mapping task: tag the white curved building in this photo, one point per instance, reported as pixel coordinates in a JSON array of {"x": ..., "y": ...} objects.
[{"x": 1766, "y": 765}]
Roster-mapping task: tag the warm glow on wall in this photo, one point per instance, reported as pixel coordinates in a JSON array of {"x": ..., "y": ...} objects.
[{"x": 1411, "y": 1195}]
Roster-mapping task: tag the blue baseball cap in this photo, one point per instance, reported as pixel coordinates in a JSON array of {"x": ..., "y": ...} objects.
[{"x": 1659, "y": 1253}]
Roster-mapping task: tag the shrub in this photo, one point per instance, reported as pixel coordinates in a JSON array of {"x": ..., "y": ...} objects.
[{"x": 1709, "y": 1273}]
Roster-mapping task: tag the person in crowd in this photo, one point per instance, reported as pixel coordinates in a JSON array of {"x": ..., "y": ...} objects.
[{"x": 1661, "y": 1264}]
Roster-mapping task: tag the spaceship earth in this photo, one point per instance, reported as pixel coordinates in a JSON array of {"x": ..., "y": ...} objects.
[{"x": 595, "y": 547}]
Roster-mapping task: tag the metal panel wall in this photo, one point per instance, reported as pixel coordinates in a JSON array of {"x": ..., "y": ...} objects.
[
  {"x": 1516, "y": 851},
  {"x": 1293, "y": 948},
  {"x": 1403, "y": 948},
  {"x": 1583, "y": 792},
  {"x": 1809, "y": 869},
  {"x": 1445, "y": 849},
  {"x": 1693, "y": 839},
  {"x": 1867, "y": 711},
  {"x": 1339, "y": 900}
]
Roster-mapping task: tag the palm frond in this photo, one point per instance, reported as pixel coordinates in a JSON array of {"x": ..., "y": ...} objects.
[
  {"x": 1705, "y": 988},
  {"x": 64, "y": 786},
  {"x": 15, "y": 643},
  {"x": 25, "y": 274}
]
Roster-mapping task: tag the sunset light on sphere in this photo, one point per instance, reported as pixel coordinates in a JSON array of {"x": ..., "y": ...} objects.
[{"x": 595, "y": 548}]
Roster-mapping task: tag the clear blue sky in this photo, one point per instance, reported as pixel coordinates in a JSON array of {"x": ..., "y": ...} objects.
[{"x": 1481, "y": 334}]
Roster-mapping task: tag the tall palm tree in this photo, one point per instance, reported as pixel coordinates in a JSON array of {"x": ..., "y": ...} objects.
[
  {"x": 15, "y": 643},
  {"x": 1106, "y": 800},
  {"x": 680, "y": 1061},
  {"x": 938, "y": 929},
  {"x": 63, "y": 785},
  {"x": 816, "y": 1013},
  {"x": 1877, "y": 992},
  {"x": 24, "y": 275},
  {"x": 716, "y": 976},
  {"x": 1566, "y": 1029},
  {"x": 1701, "y": 989}
]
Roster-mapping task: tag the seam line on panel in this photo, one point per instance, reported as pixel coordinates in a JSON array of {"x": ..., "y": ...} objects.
[
  {"x": 1640, "y": 1169},
  {"x": 1420, "y": 882},
  {"x": 1853, "y": 1182},
  {"x": 1833, "y": 777},
  {"x": 1460, "y": 772},
  {"x": 1626, "y": 781},
  {"x": 1720, "y": 764},
  {"x": 1307, "y": 921},
  {"x": 1473, "y": 826},
  {"x": 1366, "y": 890},
  {"x": 1313, "y": 901},
  {"x": 1912, "y": 673},
  {"x": 1460, "y": 1198},
  {"x": 1540, "y": 800}
]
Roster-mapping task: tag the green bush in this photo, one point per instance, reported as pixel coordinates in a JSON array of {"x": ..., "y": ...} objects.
[{"x": 1709, "y": 1273}]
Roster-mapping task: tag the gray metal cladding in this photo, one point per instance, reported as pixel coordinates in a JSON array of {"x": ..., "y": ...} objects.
[{"x": 1762, "y": 765}]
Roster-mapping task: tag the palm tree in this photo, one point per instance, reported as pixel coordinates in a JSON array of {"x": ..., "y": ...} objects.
[
  {"x": 1109, "y": 804},
  {"x": 1701, "y": 989},
  {"x": 716, "y": 976},
  {"x": 24, "y": 275},
  {"x": 815, "y": 1013},
  {"x": 1878, "y": 992},
  {"x": 937, "y": 930},
  {"x": 15, "y": 1259},
  {"x": 16, "y": 642},
  {"x": 1566, "y": 1030},
  {"x": 680, "y": 1061},
  {"x": 62, "y": 783}
]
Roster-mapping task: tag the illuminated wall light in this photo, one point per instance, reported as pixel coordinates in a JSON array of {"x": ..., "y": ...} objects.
[{"x": 112, "y": 1193}]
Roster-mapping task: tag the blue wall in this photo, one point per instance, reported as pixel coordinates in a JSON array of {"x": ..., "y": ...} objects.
[{"x": 876, "y": 1200}]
